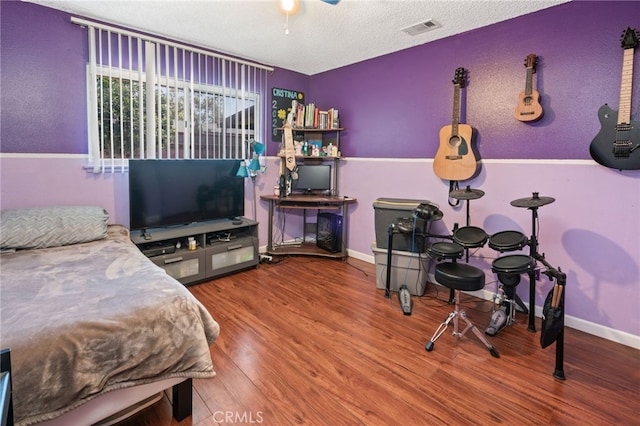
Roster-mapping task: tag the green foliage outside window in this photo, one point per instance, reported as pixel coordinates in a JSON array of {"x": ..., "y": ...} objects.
[{"x": 119, "y": 123}]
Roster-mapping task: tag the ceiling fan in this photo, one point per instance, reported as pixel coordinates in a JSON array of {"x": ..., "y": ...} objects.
[{"x": 290, "y": 7}]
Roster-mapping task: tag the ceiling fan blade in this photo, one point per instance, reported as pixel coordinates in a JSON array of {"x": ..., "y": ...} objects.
[{"x": 331, "y": 2}]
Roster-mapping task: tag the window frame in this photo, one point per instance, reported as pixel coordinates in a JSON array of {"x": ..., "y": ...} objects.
[
  {"x": 237, "y": 88},
  {"x": 180, "y": 121}
]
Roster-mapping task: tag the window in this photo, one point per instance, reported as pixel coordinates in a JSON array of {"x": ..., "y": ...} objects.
[{"x": 150, "y": 98}]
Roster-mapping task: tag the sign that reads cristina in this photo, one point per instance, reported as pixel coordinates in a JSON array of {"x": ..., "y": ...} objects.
[{"x": 280, "y": 107}]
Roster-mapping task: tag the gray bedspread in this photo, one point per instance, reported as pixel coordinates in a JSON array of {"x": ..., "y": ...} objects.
[{"x": 86, "y": 319}]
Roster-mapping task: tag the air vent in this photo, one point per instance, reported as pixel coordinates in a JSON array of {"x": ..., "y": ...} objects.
[{"x": 422, "y": 27}]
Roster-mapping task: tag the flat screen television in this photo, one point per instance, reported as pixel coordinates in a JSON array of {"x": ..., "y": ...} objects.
[
  {"x": 313, "y": 179},
  {"x": 166, "y": 193}
]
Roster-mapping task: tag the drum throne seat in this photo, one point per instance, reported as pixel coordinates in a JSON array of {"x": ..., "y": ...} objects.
[{"x": 459, "y": 277}]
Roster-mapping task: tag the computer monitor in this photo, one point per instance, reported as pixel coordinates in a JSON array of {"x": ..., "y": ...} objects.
[{"x": 313, "y": 179}]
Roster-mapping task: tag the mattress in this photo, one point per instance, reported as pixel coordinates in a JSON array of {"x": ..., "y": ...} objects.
[{"x": 87, "y": 319}]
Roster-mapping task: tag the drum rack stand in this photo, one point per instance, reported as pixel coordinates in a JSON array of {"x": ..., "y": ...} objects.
[
  {"x": 552, "y": 273},
  {"x": 561, "y": 280}
]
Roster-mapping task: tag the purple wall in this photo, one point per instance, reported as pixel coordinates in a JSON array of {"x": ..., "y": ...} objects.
[
  {"x": 393, "y": 106},
  {"x": 43, "y": 81}
]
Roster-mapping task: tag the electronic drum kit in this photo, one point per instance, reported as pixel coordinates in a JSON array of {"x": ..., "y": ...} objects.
[
  {"x": 510, "y": 267},
  {"x": 470, "y": 237}
]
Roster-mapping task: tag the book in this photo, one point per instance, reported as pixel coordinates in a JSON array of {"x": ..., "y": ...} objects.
[
  {"x": 334, "y": 121},
  {"x": 311, "y": 117}
]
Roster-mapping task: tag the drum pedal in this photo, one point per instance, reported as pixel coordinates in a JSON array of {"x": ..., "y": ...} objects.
[
  {"x": 499, "y": 320},
  {"x": 405, "y": 299}
]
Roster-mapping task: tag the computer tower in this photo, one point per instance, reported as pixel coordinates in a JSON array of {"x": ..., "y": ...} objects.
[{"x": 329, "y": 232}]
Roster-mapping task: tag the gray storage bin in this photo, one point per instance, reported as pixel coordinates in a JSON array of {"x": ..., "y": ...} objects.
[
  {"x": 388, "y": 211},
  {"x": 406, "y": 268}
]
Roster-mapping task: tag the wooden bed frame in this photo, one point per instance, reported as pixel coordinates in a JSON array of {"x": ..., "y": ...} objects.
[{"x": 6, "y": 398}]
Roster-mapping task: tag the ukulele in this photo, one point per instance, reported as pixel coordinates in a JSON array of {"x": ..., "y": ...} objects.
[
  {"x": 529, "y": 108},
  {"x": 455, "y": 159},
  {"x": 616, "y": 145}
]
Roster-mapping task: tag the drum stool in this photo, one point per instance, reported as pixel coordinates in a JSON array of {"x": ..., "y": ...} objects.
[{"x": 459, "y": 277}]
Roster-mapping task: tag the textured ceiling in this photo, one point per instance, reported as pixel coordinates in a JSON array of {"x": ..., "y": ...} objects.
[{"x": 321, "y": 36}]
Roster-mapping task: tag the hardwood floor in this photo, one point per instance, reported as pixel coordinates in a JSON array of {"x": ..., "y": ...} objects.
[{"x": 312, "y": 341}]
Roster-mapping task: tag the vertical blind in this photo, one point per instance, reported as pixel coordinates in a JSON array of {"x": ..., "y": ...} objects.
[{"x": 153, "y": 98}]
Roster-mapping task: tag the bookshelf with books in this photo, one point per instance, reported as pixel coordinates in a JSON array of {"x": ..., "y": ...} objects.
[
  {"x": 311, "y": 117},
  {"x": 316, "y": 138}
]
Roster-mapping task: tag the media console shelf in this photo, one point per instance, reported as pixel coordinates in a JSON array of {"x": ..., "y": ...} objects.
[
  {"x": 304, "y": 203},
  {"x": 222, "y": 247}
]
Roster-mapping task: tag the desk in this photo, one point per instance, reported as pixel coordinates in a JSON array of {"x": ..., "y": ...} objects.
[{"x": 307, "y": 202}]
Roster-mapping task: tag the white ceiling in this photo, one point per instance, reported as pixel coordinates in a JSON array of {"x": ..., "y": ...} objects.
[{"x": 321, "y": 36}]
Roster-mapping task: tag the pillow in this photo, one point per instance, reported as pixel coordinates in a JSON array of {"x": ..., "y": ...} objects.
[{"x": 51, "y": 226}]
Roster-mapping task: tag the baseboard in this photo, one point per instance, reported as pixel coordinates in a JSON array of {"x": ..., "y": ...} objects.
[
  {"x": 361, "y": 256},
  {"x": 592, "y": 328}
]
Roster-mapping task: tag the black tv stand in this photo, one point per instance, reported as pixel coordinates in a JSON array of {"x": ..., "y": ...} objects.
[{"x": 213, "y": 256}]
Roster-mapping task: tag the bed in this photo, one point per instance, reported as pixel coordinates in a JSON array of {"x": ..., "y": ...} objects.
[{"x": 88, "y": 317}]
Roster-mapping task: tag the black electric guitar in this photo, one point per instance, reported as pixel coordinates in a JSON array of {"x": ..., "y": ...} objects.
[
  {"x": 616, "y": 145},
  {"x": 455, "y": 159},
  {"x": 529, "y": 108}
]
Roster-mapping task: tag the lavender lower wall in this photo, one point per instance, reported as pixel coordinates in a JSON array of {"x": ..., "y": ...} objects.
[
  {"x": 40, "y": 180},
  {"x": 591, "y": 231}
]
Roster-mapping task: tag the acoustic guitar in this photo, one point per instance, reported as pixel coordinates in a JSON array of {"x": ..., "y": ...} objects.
[
  {"x": 529, "y": 108},
  {"x": 455, "y": 159},
  {"x": 616, "y": 145}
]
